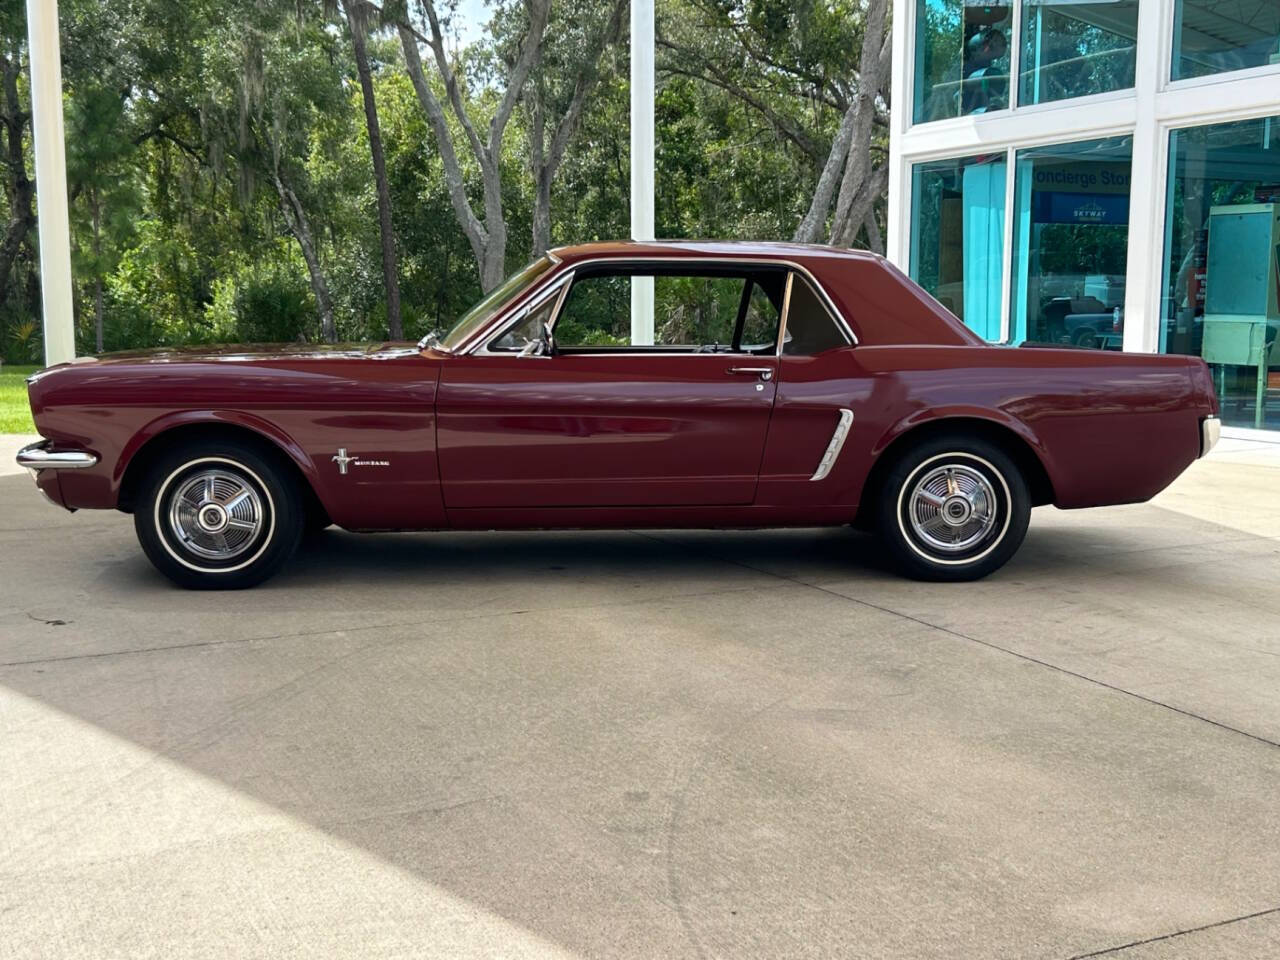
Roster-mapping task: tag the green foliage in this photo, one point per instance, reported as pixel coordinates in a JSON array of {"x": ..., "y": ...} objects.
[
  {"x": 273, "y": 306},
  {"x": 25, "y": 340},
  {"x": 159, "y": 289},
  {"x": 183, "y": 120}
]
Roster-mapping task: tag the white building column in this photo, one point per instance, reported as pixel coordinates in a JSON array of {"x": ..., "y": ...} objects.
[
  {"x": 642, "y": 148},
  {"x": 51, "y": 181},
  {"x": 1148, "y": 181},
  {"x": 898, "y": 217}
]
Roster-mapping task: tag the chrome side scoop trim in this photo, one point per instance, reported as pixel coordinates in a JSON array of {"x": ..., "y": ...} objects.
[{"x": 837, "y": 443}]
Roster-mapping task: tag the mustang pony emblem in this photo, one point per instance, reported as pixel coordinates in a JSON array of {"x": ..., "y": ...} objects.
[{"x": 343, "y": 461}]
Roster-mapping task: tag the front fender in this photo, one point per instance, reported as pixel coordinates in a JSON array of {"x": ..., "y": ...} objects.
[{"x": 232, "y": 418}]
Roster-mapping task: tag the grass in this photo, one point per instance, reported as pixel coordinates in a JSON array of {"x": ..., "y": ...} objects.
[{"x": 15, "y": 413}]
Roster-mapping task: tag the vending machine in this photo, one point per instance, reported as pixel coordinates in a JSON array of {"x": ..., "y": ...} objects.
[{"x": 1242, "y": 292}]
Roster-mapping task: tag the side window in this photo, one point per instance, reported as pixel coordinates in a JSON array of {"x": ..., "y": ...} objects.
[
  {"x": 714, "y": 312},
  {"x": 760, "y": 324},
  {"x": 810, "y": 327},
  {"x": 526, "y": 330}
]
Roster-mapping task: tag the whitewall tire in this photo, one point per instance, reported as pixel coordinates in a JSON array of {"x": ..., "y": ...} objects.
[
  {"x": 953, "y": 508},
  {"x": 219, "y": 515}
]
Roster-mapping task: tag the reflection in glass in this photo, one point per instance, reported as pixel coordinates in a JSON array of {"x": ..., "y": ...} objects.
[
  {"x": 1071, "y": 238},
  {"x": 1074, "y": 48},
  {"x": 1222, "y": 262},
  {"x": 957, "y": 237},
  {"x": 1213, "y": 36},
  {"x": 478, "y": 316},
  {"x": 961, "y": 57}
]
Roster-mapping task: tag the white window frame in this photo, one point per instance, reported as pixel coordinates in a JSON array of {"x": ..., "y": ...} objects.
[{"x": 1148, "y": 112}]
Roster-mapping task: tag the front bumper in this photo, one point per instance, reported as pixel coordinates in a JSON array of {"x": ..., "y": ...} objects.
[
  {"x": 1210, "y": 433},
  {"x": 38, "y": 456},
  {"x": 45, "y": 465}
]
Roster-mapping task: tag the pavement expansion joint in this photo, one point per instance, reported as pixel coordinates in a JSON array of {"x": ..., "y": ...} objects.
[{"x": 1109, "y": 951}]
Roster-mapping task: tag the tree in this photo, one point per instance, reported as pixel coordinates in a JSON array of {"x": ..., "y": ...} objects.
[
  {"x": 358, "y": 14},
  {"x": 99, "y": 152},
  {"x": 566, "y": 73},
  {"x": 860, "y": 185},
  {"x": 222, "y": 162},
  {"x": 788, "y": 62},
  {"x": 487, "y": 235},
  {"x": 271, "y": 82},
  {"x": 18, "y": 186}
]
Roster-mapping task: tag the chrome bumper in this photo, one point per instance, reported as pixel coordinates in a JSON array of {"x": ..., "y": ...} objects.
[
  {"x": 1210, "y": 432},
  {"x": 38, "y": 456}
]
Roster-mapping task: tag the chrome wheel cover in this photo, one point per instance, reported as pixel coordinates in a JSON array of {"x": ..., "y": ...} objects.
[
  {"x": 216, "y": 514},
  {"x": 952, "y": 508}
]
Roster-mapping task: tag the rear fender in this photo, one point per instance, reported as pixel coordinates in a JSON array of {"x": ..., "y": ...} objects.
[
  {"x": 933, "y": 415},
  {"x": 966, "y": 415}
]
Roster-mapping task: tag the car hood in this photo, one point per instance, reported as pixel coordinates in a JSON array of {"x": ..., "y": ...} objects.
[{"x": 247, "y": 352}]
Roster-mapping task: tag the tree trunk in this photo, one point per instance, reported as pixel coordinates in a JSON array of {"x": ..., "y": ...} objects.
[
  {"x": 542, "y": 212},
  {"x": 95, "y": 207},
  {"x": 848, "y": 216},
  {"x": 875, "y": 239},
  {"x": 21, "y": 215},
  {"x": 815, "y": 220},
  {"x": 493, "y": 269},
  {"x": 538, "y": 169},
  {"x": 471, "y": 226},
  {"x": 296, "y": 218},
  {"x": 848, "y": 162},
  {"x": 860, "y": 207},
  {"x": 356, "y": 23},
  {"x": 545, "y": 159},
  {"x": 488, "y": 239}
]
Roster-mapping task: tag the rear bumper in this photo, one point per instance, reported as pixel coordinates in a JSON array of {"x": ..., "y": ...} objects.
[{"x": 1210, "y": 433}]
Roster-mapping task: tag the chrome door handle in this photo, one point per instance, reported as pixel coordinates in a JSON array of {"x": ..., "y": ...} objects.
[{"x": 764, "y": 373}]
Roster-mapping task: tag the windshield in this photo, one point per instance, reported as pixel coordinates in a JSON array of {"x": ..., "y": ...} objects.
[{"x": 490, "y": 306}]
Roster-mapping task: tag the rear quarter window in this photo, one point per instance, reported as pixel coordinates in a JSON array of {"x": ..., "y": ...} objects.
[{"x": 810, "y": 327}]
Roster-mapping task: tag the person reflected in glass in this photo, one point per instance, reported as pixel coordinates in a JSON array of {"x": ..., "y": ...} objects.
[{"x": 986, "y": 72}]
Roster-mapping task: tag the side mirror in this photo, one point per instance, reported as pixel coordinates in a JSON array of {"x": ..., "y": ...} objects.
[{"x": 543, "y": 346}]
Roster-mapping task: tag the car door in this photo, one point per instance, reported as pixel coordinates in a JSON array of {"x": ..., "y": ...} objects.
[{"x": 599, "y": 421}]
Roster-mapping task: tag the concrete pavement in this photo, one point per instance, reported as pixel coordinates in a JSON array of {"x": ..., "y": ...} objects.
[{"x": 676, "y": 744}]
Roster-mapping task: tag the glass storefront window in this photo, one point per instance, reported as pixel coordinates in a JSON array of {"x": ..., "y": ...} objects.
[
  {"x": 1070, "y": 247},
  {"x": 1074, "y": 48},
  {"x": 1210, "y": 36},
  {"x": 1222, "y": 262},
  {"x": 957, "y": 237},
  {"x": 962, "y": 58}
]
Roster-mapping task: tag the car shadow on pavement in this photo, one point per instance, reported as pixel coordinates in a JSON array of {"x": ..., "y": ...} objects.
[{"x": 409, "y": 557}]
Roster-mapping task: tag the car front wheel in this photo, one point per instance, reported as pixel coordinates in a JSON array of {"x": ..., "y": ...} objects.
[
  {"x": 954, "y": 508},
  {"x": 219, "y": 515}
]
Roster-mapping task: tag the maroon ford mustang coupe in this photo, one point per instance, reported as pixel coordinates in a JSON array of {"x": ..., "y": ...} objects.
[{"x": 779, "y": 385}]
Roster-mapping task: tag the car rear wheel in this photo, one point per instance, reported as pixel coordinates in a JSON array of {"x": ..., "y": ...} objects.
[
  {"x": 1087, "y": 337},
  {"x": 218, "y": 516},
  {"x": 954, "y": 508}
]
